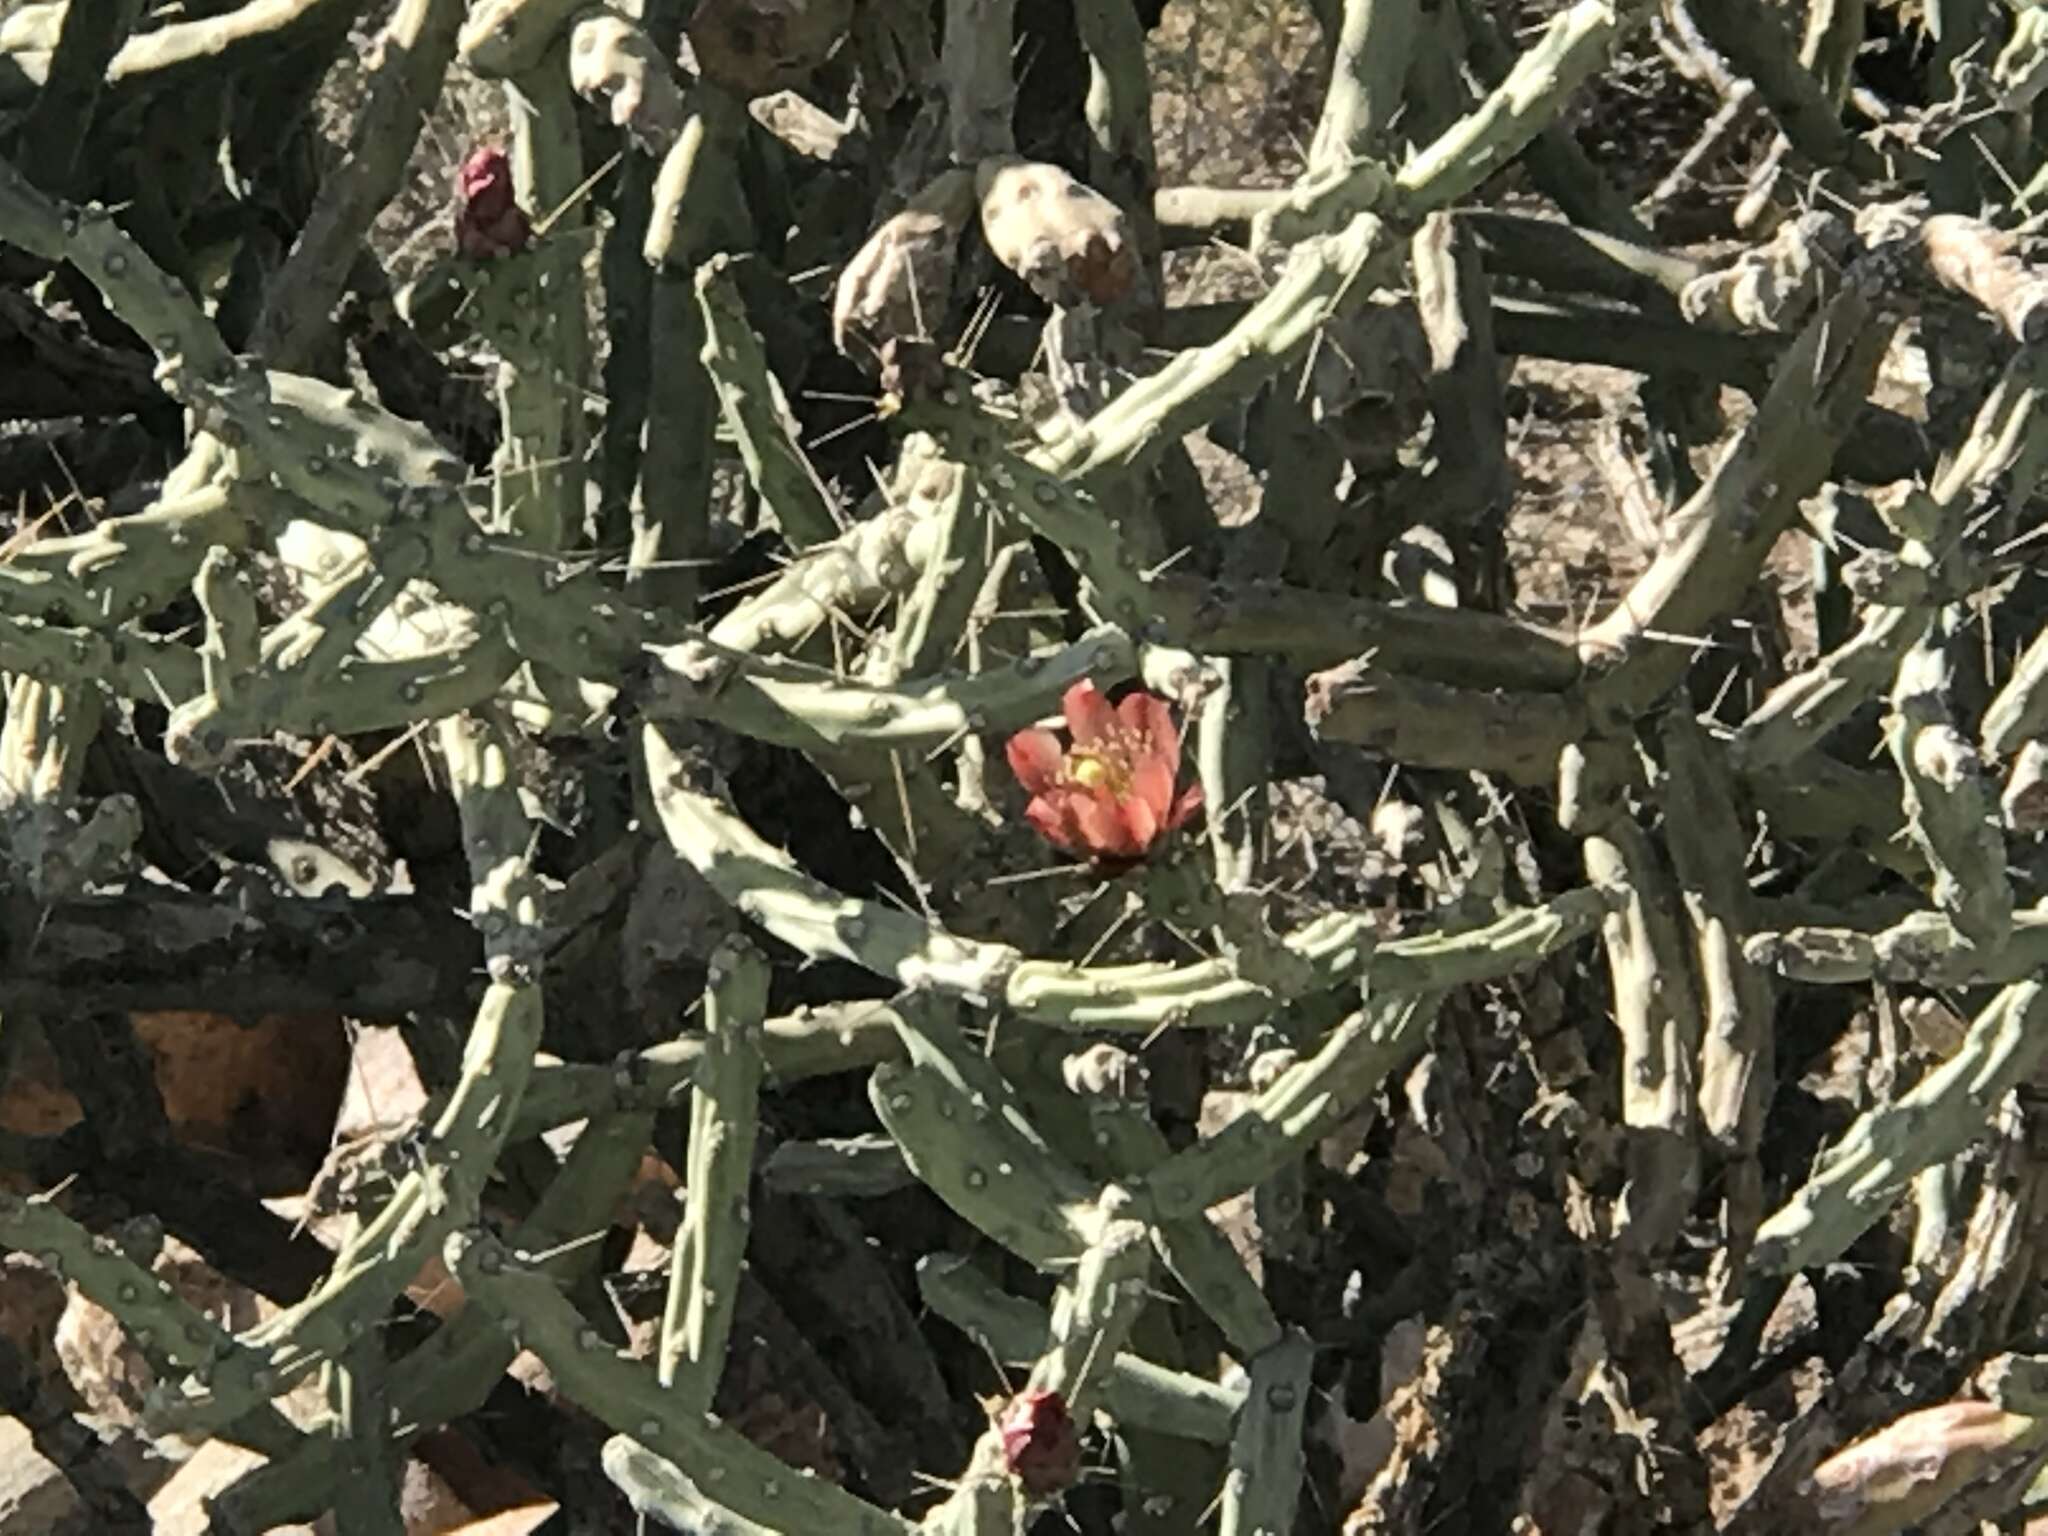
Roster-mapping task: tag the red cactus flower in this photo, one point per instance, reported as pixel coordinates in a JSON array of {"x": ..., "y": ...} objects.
[
  {"x": 488, "y": 220},
  {"x": 1109, "y": 795},
  {"x": 1041, "y": 1446}
]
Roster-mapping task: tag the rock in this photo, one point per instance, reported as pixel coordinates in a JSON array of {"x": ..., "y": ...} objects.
[
  {"x": 36, "y": 1499},
  {"x": 179, "y": 1508}
]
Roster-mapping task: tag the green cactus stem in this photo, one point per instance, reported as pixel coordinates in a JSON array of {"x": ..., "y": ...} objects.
[
  {"x": 710, "y": 1246},
  {"x": 938, "y": 617},
  {"x": 1754, "y": 40},
  {"x": 1287, "y": 621},
  {"x": 186, "y": 53},
  {"x": 42, "y": 750},
  {"x": 410, "y": 59},
  {"x": 2018, "y": 712},
  {"x": 1135, "y": 1392},
  {"x": 1094, "y": 541},
  {"x": 294, "y": 662},
  {"x": 53, "y": 133},
  {"x": 126, "y": 567},
  {"x": 1950, "y": 812},
  {"x": 812, "y": 709},
  {"x": 130, "y": 664},
  {"x": 838, "y": 1167},
  {"x": 541, "y": 337},
  {"x": 1313, "y": 629},
  {"x": 360, "y": 696},
  {"x": 1367, "y": 73},
  {"x": 759, "y": 415},
  {"x": 963, "y": 1133},
  {"x": 459, "y": 1152},
  {"x": 1557, "y": 162},
  {"x": 766, "y": 885},
  {"x": 1801, "y": 711},
  {"x": 1429, "y": 725},
  {"x": 1197, "y": 1252},
  {"x": 59, "y": 846},
  {"x": 1828, "y": 803},
  {"x": 1093, "y": 1311},
  {"x": 626, "y": 1395},
  {"x": 358, "y": 467},
  {"x": 1301, "y": 1106},
  {"x": 845, "y": 1037},
  {"x": 506, "y": 897},
  {"x": 1122, "y": 161},
  {"x": 1923, "y": 949},
  {"x": 2023, "y": 804},
  {"x": 1566, "y": 258},
  {"x": 697, "y": 206},
  {"x": 656, "y": 1486},
  {"x": 453, "y": 1373},
  {"x": 1322, "y": 281},
  {"x": 172, "y": 1334},
  {"x": 1659, "y": 1009},
  {"x": 1267, "y": 1457},
  {"x": 504, "y": 39},
  {"x": 1714, "y": 545},
  {"x": 135, "y": 288},
  {"x": 1572, "y": 49},
  {"x": 233, "y": 642},
  {"x": 882, "y": 555},
  {"x": 1706, "y": 841},
  {"x": 366, "y": 1502},
  {"x": 1231, "y": 747},
  {"x": 1857, "y": 1179},
  {"x": 975, "y": 52},
  {"x": 1092, "y": 1316},
  {"x": 1804, "y": 708}
]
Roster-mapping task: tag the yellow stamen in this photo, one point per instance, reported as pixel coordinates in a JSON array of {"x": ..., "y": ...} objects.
[{"x": 1094, "y": 768}]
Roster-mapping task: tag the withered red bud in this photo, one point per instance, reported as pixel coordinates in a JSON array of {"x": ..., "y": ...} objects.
[
  {"x": 1041, "y": 1446},
  {"x": 488, "y": 219}
]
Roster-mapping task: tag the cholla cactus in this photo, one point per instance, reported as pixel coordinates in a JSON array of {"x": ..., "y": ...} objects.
[{"x": 709, "y": 571}]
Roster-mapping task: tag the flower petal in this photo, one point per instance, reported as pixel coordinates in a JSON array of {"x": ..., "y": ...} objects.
[
  {"x": 1052, "y": 815},
  {"x": 1035, "y": 759},
  {"x": 1190, "y": 801},
  {"x": 1141, "y": 821},
  {"x": 1102, "y": 826},
  {"x": 1152, "y": 784},
  {"x": 1088, "y": 713},
  {"x": 1146, "y": 717}
]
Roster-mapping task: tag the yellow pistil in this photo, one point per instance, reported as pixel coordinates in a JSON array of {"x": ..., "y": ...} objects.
[{"x": 1093, "y": 769}]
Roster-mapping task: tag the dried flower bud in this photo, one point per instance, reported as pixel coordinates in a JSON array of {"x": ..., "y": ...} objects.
[
  {"x": 1041, "y": 1446},
  {"x": 488, "y": 219},
  {"x": 1060, "y": 235}
]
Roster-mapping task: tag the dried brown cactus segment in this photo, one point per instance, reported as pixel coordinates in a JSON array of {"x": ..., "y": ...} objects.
[
  {"x": 1059, "y": 234},
  {"x": 613, "y": 64},
  {"x": 896, "y": 287},
  {"x": 757, "y": 46}
]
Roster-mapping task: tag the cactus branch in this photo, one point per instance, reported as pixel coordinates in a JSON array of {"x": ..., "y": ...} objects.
[
  {"x": 710, "y": 1247},
  {"x": 1869, "y": 1167},
  {"x": 1135, "y": 1392},
  {"x": 1267, "y": 1460},
  {"x": 624, "y": 1393}
]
